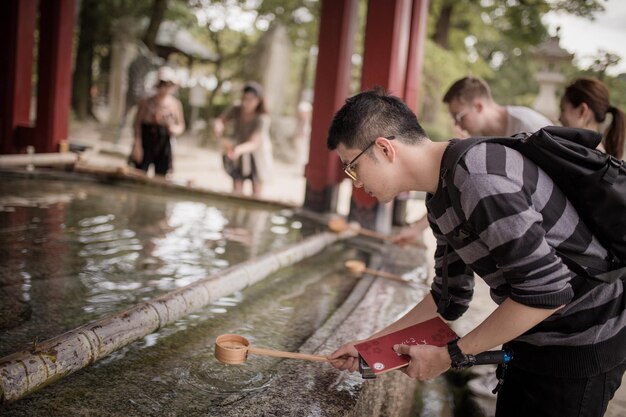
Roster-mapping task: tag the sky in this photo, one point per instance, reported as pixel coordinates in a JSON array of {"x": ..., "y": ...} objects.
[{"x": 584, "y": 37}]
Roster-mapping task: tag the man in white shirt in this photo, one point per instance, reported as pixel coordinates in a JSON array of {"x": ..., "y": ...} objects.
[{"x": 473, "y": 110}]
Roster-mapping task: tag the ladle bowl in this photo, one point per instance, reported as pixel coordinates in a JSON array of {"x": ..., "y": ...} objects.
[
  {"x": 233, "y": 349},
  {"x": 358, "y": 268},
  {"x": 338, "y": 225},
  {"x": 355, "y": 267}
]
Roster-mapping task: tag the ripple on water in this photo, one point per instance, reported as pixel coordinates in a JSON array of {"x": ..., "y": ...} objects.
[{"x": 219, "y": 379}]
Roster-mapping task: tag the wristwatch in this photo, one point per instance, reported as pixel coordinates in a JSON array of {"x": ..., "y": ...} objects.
[{"x": 459, "y": 359}]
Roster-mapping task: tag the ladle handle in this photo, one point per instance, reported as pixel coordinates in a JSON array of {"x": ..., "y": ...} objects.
[
  {"x": 384, "y": 274},
  {"x": 289, "y": 355},
  {"x": 372, "y": 233}
]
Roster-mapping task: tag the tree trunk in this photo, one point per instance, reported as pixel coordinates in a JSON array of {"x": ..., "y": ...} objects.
[
  {"x": 442, "y": 28},
  {"x": 157, "y": 16},
  {"x": 82, "y": 102},
  {"x": 27, "y": 371}
]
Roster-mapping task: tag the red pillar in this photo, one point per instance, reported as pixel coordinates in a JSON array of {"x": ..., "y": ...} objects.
[
  {"x": 54, "y": 73},
  {"x": 416, "y": 54},
  {"x": 17, "y": 29},
  {"x": 412, "y": 85},
  {"x": 332, "y": 81},
  {"x": 385, "y": 58}
]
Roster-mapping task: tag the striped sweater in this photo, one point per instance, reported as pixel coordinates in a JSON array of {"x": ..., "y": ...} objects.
[{"x": 518, "y": 217}]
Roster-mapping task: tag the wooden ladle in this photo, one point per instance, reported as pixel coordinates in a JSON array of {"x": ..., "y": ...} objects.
[
  {"x": 234, "y": 349},
  {"x": 358, "y": 268},
  {"x": 338, "y": 225}
]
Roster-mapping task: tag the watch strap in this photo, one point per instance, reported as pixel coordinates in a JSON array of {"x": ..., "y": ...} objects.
[{"x": 459, "y": 359}]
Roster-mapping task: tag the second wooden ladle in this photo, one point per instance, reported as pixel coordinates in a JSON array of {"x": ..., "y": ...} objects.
[
  {"x": 234, "y": 349},
  {"x": 358, "y": 268},
  {"x": 338, "y": 225}
]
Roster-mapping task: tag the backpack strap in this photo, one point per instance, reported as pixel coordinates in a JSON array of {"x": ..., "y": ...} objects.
[
  {"x": 444, "y": 301},
  {"x": 451, "y": 157},
  {"x": 614, "y": 271}
]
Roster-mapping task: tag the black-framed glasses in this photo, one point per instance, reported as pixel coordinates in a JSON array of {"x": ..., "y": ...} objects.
[
  {"x": 350, "y": 169},
  {"x": 458, "y": 117}
]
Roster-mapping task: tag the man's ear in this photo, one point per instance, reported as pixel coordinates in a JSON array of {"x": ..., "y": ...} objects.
[
  {"x": 386, "y": 147},
  {"x": 479, "y": 105}
]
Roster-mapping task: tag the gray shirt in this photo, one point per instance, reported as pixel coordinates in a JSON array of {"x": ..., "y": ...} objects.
[{"x": 524, "y": 119}]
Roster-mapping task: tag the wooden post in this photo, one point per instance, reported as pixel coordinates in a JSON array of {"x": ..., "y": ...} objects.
[
  {"x": 416, "y": 54},
  {"x": 332, "y": 81},
  {"x": 412, "y": 85},
  {"x": 385, "y": 58},
  {"x": 17, "y": 29},
  {"x": 54, "y": 73}
]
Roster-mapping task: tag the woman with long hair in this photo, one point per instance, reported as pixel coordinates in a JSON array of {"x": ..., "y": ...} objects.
[
  {"x": 248, "y": 156},
  {"x": 585, "y": 104}
]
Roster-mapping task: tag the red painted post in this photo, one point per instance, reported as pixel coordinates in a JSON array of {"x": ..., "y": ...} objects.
[
  {"x": 54, "y": 73},
  {"x": 385, "y": 57},
  {"x": 17, "y": 29},
  {"x": 419, "y": 14},
  {"x": 416, "y": 54},
  {"x": 386, "y": 45},
  {"x": 332, "y": 82}
]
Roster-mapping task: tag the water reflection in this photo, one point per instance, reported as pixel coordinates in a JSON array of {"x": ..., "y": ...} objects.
[
  {"x": 73, "y": 252},
  {"x": 174, "y": 372}
]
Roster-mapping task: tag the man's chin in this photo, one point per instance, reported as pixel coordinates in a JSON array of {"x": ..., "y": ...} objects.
[{"x": 383, "y": 200}]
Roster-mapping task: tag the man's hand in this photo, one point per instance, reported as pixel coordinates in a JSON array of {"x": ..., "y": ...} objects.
[
  {"x": 346, "y": 358},
  {"x": 410, "y": 234},
  {"x": 427, "y": 361},
  {"x": 234, "y": 153}
]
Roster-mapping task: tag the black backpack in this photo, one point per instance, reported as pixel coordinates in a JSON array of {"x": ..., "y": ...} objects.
[{"x": 594, "y": 182}]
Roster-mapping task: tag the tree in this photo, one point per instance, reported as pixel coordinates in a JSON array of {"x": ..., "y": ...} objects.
[
  {"x": 94, "y": 40},
  {"x": 159, "y": 7},
  {"x": 603, "y": 61},
  {"x": 490, "y": 39},
  {"x": 234, "y": 27},
  {"x": 83, "y": 70}
]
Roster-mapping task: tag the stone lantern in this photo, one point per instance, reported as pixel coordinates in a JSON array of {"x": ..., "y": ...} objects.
[{"x": 550, "y": 56}]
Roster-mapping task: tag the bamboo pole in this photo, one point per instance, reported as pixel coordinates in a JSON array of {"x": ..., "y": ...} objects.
[
  {"x": 38, "y": 159},
  {"x": 24, "y": 372}
]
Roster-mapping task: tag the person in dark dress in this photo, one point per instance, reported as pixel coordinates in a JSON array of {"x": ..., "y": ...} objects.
[{"x": 158, "y": 119}]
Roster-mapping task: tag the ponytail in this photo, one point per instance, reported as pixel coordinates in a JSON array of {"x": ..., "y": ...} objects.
[{"x": 614, "y": 135}]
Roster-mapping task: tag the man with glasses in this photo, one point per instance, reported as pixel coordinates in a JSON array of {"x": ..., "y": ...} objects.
[
  {"x": 474, "y": 111},
  {"x": 567, "y": 334}
]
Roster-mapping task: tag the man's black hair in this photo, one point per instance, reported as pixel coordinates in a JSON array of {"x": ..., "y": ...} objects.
[{"x": 372, "y": 114}]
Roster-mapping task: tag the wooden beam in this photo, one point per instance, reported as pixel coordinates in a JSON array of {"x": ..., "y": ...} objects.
[
  {"x": 332, "y": 87},
  {"x": 54, "y": 89},
  {"x": 17, "y": 29}
]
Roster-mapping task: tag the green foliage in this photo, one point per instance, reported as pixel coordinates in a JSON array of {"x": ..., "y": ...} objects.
[
  {"x": 493, "y": 39},
  {"x": 233, "y": 41},
  {"x": 488, "y": 38},
  {"x": 441, "y": 68}
]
